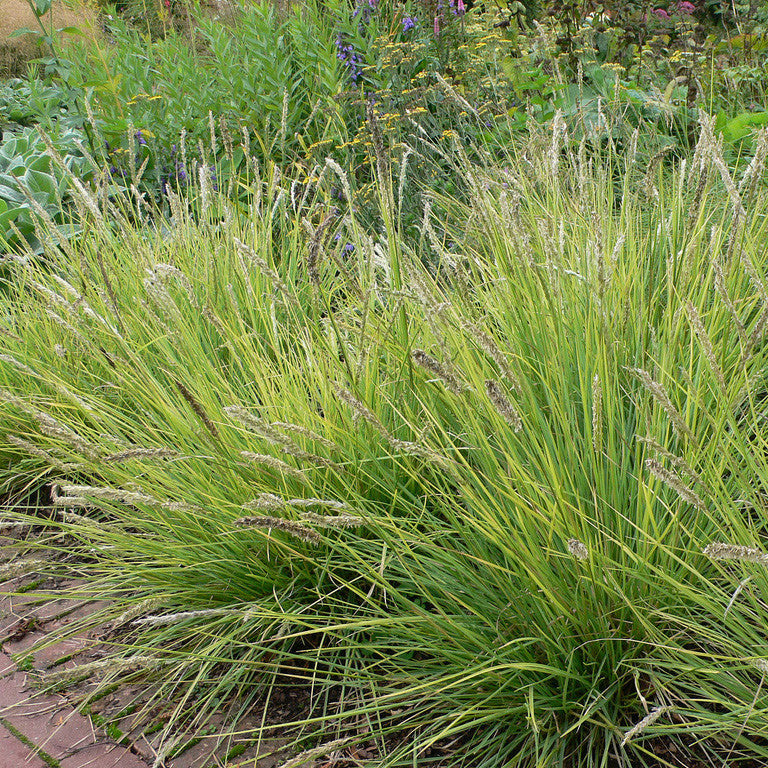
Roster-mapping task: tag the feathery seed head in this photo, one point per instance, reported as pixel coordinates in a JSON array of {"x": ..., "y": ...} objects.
[
  {"x": 140, "y": 453},
  {"x": 140, "y": 608},
  {"x": 706, "y": 343},
  {"x": 17, "y": 568},
  {"x": 674, "y": 481},
  {"x": 36, "y": 450},
  {"x": 359, "y": 410},
  {"x": 492, "y": 349},
  {"x": 288, "y": 526},
  {"x": 273, "y": 463},
  {"x": 53, "y": 428},
  {"x": 248, "y": 253},
  {"x": 198, "y": 409},
  {"x": 435, "y": 366},
  {"x": 130, "y": 664},
  {"x": 502, "y": 405},
  {"x": 175, "y": 618},
  {"x": 578, "y": 549},
  {"x": 265, "y": 501},
  {"x": 677, "y": 461},
  {"x": 649, "y": 719},
  {"x": 597, "y": 414},
  {"x": 662, "y": 398},
  {"x": 723, "y": 551},
  {"x": 331, "y": 521}
]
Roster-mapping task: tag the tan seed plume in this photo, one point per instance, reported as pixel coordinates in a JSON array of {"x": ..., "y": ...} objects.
[
  {"x": 424, "y": 452},
  {"x": 140, "y": 453},
  {"x": 288, "y": 526},
  {"x": 434, "y": 366},
  {"x": 268, "y": 432},
  {"x": 332, "y": 521},
  {"x": 40, "y": 453},
  {"x": 139, "y": 609},
  {"x": 271, "y": 501},
  {"x": 649, "y": 719},
  {"x": 578, "y": 549},
  {"x": 359, "y": 409},
  {"x": 721, "y": 289},
  {"x": 502, "y": 405},
  {"x": 108, "y": 494},
  {"x": 761, "y": 664},
  {"x": 674, "y": 481},
  {"x": 677, "y": 461},
  {"x": 597, "y": 414},
  {"x": 198, "y": 409},
  {"x": 17, "y": 568},
  {"x": 723, "y": 551},
  {"x": 53, "y": 428},
  {"x": 305, "y": 758},
  {"x": 706, "y": 343},
  {"x": 270, "y": 462},
  {"x": 304, "y": 432},
  {"x": 662, "y": 398},
  {"x": 271, "y": 273},
  {"x": 134, "y": 663},
  {"x": 174, "y": 618},
  {"x": 491, "y": 348},
  {"x": 315, "y": 246}
]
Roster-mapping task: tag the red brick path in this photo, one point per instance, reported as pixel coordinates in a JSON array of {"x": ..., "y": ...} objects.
[
  {"x": 44, "y": 730},
  {"x": 40, "y": 730}
]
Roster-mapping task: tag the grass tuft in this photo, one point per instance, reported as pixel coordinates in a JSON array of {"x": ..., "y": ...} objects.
[{"x": 510, "y": 546}]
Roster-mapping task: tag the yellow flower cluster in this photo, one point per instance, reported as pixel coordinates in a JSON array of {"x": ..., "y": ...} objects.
[
  {"x": 317, "y": 144},
  {"x": 142, "y": 97}
]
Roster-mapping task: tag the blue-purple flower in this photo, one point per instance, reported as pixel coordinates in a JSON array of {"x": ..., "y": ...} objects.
[
  {"x": 346, "y": 54},
  {"x": 364, "y": 10}
]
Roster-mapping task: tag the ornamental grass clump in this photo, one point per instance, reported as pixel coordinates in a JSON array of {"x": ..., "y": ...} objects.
[{"x": 477, "y": 509}]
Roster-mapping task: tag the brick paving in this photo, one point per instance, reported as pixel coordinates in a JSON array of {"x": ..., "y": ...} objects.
[
  {"x": 39, "y": 729},
  {"x": 42, "y": 730}
]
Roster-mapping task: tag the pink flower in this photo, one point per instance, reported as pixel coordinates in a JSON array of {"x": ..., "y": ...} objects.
[
  {"x": 460, "y": 6},
  {"x": 437, "y": 26},
  {"x": 661, "y": 13},
  {"x": 686, "y": 7}
]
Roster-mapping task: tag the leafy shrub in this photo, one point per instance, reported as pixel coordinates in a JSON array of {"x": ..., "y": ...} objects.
[
  {"x": 32, "y": 184},
  {"x": 32, "y": 101},
  {"x": 269, "y": 76}
]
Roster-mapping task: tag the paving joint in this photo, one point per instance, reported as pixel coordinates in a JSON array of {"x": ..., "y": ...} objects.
[{"x": 50, "y": 761}]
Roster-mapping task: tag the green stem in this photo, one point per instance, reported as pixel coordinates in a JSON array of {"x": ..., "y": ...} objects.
[{"x": 48, "y": 39}]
